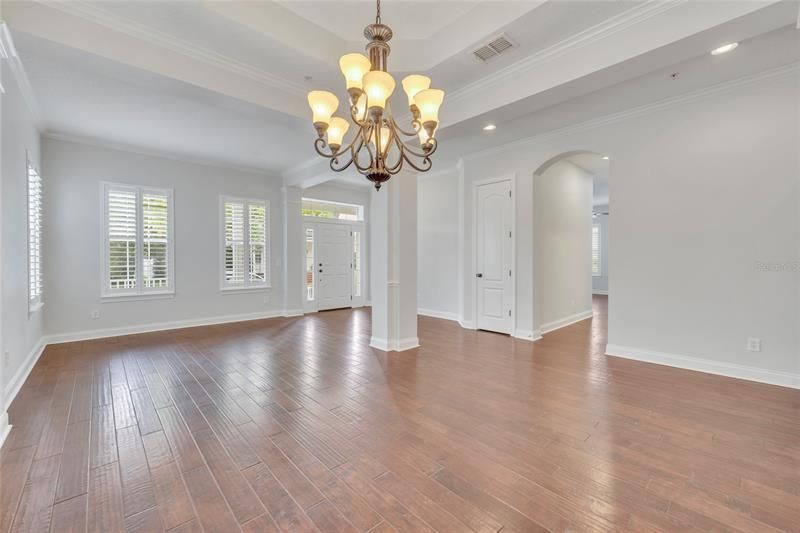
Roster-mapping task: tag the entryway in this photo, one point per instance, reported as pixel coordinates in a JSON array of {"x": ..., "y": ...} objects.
[{"x": 333, "y": 276}]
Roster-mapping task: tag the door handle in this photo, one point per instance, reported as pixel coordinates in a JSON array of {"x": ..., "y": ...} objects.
[
  {"x": 479, "y": 275},
  {"x": 320, "y": 271}
]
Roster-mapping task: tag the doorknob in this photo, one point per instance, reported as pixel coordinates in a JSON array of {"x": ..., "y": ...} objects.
[
  {"x": 320, "y": 271},
  {"x": 479, "y": 275}
]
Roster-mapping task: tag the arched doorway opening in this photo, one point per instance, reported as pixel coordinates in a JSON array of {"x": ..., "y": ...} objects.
[{"x": 571, "y": 212}]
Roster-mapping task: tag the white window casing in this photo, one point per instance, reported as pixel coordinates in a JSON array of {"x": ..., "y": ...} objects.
[
  {"x": 138, "y": 244},
  {"x": 244, "y": 244}
]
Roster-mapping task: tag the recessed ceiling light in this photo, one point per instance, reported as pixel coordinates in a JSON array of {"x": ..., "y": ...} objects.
[
  {"x": 489, "y": 127},
  {"x": 605, "y": 158},
  {"x": 723, "y": 49}
]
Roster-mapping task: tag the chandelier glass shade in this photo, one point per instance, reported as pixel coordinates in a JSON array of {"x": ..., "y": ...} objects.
[{"x": 379, "y": 148}]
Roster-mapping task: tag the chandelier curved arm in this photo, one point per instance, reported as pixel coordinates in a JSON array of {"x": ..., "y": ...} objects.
[
  {"x": 415, "y": 124},
  {"x": 424, "y": 166},
  {"x": 320, "y": 144},
  {"x": 355, "y": 118},
  {"x": 425, "y": 162},
  {"x": 356, "y": 159},
  {"x": 401, "y": 147}
]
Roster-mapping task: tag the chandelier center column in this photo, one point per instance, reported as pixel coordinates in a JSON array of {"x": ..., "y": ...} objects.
[{"x": 393, "y": 255}]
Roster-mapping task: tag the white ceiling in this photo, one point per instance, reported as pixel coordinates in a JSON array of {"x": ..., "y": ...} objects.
[
  {"x": 410, "y": 20},
  {"x": 226, "y": 81},
  {"x": 82, "y": 95}
]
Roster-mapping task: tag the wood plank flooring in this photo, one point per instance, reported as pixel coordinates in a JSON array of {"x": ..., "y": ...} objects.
[{"x": 288, "y": 425}]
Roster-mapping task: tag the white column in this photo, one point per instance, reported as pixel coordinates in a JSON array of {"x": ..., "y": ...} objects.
[
  {"x": 292, "y": 251},
  {"x": 4, "y": 425},
  {"x": 393, "y": 264}
]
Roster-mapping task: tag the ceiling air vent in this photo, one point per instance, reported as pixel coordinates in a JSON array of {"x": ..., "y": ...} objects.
[{"x": 493, "y": 48}]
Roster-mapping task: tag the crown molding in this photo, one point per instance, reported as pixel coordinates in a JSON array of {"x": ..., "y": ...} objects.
[
  {"x": 129, "y": 27},
  {"x": 9, "y": 52},
  {"x": 645, "y": 109},
  {"x": 121, "y": 147},
  {"x": 591, "y": 35}
]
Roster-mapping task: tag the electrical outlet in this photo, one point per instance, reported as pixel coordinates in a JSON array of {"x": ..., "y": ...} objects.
[
  {"x": 95, "y": 314},
  {"x": 753, "y": 344}
]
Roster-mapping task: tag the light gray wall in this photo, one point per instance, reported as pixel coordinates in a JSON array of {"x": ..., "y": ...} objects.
[
  {"x": 72, "y": 240},
  {"x": 437, "y": 247},
  {"x": 562, "y": 220},
  {"x": 688, "y": 285},
  {"x": 21, "y": 332},
  {"x": 600, "y": 283}
]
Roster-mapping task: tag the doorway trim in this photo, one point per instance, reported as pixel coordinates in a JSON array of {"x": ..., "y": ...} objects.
[
  {"x": 360, "y": 226},
  {"x": 512, "y": 179}
]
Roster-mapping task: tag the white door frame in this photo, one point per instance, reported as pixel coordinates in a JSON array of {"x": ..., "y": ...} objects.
[
  {"x": 313, "y": 223},
  {"x": 512, "y": 179}
]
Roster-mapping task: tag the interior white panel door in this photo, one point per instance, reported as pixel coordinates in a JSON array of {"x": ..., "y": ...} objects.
[
  {"x": 333, "y": 266},
  {"x": 493, "y": 259}
]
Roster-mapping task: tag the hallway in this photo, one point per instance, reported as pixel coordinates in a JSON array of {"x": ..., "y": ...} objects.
[{"x": 297, "y": 425}]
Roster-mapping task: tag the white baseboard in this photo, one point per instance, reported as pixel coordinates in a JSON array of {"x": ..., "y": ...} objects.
[
  {"x": 160, "y": 326},
  {"x": 527, "y": 334},
  {"x": 437, "y": 314},
  {"x": 393, "y": 345},
  {"x": 19, "y": 377},
  {"x": 566, "y": 321},
  {"x": 5, "y": 428},
  {"x": 466, "y": 324},
  {"x": 599, "y": 292},
  {"x": 293, "y": 312},
  {"x": 709, "y": 366}
]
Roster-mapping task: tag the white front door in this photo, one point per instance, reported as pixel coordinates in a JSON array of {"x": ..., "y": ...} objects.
[
  {"x": 493, "y": 259},
  {"x": 333, "y": 259}
]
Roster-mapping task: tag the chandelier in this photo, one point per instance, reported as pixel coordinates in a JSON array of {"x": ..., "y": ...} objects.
[{"x": 380, "y": 147}]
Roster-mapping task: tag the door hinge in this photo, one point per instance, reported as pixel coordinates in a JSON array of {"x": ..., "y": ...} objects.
[
  {"x": 509, "y": 194},
  {"x": 509, "y": 312},
  {"x": 509, "y": 272},
  {"x": 351, "y": 296},
  {"x": 509, "y": 234}
]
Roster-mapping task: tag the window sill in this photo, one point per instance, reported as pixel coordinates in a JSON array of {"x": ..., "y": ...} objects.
[
  {"x": 244, "y": 290},
  {"x": 111, "y": 298}
]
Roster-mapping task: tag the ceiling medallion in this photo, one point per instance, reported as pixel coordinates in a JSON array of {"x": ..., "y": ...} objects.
[{"x": 378, "y": 149}]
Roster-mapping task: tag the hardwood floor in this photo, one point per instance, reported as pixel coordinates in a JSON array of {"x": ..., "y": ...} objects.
[{"x": 297, "y": 425}]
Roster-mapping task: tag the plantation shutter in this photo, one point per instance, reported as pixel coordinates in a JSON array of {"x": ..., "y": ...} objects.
[
  {"x": 121, "y": 226},
  {"x": 155, "y": 240},
  {"x": 34, "y": 237},
  {"x": 245, "y": 243},
  {"x": 596, "y": 265},
  {"x": 234, "y": 243},
  {"x": 257, "y": 240},
  {"x": 138, "y": 241}
]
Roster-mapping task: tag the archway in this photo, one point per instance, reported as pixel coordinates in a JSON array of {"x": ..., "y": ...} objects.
[{"x": 571, "y": 210}]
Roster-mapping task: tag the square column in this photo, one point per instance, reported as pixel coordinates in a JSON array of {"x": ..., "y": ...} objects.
[
  {"x": 393, "y": 264},
  {"x": 293, "y": 252}
]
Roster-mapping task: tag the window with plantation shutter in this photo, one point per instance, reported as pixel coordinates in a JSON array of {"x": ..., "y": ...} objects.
[
  {"x": 138, "y": 247},
  {"x": 245, "y": 243},
  {"x": 34, "y": 239},
  {"x": 596, "y": 250}
]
